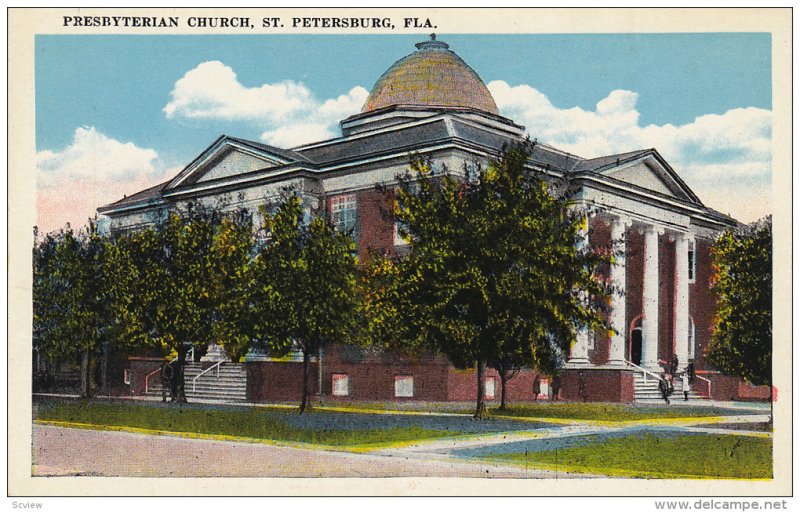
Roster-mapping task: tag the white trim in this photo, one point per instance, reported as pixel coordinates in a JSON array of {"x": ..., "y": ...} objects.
[{"x": 215, "y": 150}]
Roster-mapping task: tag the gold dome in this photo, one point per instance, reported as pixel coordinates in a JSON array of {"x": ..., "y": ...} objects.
[{"x": 433, "y": 76}]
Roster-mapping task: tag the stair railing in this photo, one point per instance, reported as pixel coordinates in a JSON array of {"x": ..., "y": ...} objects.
[
  {"x": 708, "y": 384},
  {"x": 157, "y": 370},
  {"x": 645, "y": 372},
  {"x": 194, "y": 381},
  {"x": 147, "y": 379}
]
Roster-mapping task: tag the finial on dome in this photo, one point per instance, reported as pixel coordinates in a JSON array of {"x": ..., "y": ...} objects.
[{"x": 433, "y": 44}]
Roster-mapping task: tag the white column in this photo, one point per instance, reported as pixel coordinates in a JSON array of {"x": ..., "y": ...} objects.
[
  {"x": 579, "y": 352},
  {"x": 682, "y": 299},
  {"x": 616, "y": 354},
  {"x": 650, "y": 299}
]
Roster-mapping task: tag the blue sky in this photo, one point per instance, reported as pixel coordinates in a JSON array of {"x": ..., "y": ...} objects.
[{"x": 121, "y": 112}]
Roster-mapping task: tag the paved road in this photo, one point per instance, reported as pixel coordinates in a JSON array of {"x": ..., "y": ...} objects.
[{"x": 60, "y": 451}]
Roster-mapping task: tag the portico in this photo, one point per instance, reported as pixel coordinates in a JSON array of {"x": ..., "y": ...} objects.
[{"x": 655, "y": 293}]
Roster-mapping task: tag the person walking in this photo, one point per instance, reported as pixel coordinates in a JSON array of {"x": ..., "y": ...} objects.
[
  {"x": 663, "y": 387},
  {"x": 690, "y": 371},
  {"x": 685, "y": 384},
  {"x": 537, "y": 387}
]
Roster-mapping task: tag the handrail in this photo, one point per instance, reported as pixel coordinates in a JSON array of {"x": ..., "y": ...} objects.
[
  {"x": 646, "y": 372},
  {"x": 147, "y": 377},
  {"x": 708, "y": 383},
  {"x": 194, "y": 381}
]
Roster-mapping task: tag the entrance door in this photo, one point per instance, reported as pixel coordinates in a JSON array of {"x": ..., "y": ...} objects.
[{"x": 636, "y": 347}]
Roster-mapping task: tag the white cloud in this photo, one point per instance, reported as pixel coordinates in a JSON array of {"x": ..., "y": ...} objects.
[
  {"x": 287, "y": 111},
  {"x": 92, "y": 171},
  {"x": 725, "y": 158}
]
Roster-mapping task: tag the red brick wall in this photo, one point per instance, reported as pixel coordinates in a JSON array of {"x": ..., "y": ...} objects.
[
  {"x": 666, "y": 298},
  {"x": 462, "y": 385},
  {"x": 271, "y": 381},
  {"x": 139, "y": 368},
  {"x": 600, "y": 237},
  {"x": 375, "y": 231},
  {"x": 598, "y": 386},
  {"x": 702, "y": 302},
  {"x": 634, "y": 272},
  {"x": 751, "y": 392},
  {"x": 371, "y": 376}
]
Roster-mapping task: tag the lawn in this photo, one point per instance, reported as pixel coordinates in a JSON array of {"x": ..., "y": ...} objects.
[
  {"x": 650, "y": 455},
  {"x": 615, "y": 412},
  {"x": 336, "y": 429},
  {"x": 567, "y": 410}
]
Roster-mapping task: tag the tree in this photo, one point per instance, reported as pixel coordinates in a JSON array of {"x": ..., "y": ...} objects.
[
  {"x": 495, "y": 275},
  {"x": 231, "y": 287},
  {"x": 71, "y": 302},
  {"x": 305, "y": 277},
  {"x": 742, "y": 278},
  {"x": 171, "y": 306}
]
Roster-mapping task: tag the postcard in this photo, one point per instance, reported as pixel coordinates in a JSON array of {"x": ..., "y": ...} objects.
[{"x": 514, "y": 252}]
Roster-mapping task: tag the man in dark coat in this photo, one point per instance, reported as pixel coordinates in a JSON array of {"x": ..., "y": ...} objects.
[{"x": 663, "y": 387}]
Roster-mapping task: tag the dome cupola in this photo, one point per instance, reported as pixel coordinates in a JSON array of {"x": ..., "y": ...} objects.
[{"x": 432, "y": 76}]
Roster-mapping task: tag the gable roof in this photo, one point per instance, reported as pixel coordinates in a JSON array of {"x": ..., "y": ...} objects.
[
  {"x": 272, "y": 157},
  {"x": 145, "y": 196},
  {"x": 655, "y": 163}
]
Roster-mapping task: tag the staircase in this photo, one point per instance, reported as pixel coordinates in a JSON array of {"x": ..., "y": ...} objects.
[
  {"x": 646, "y": 390},
  {"x": 229, "y": 386}
]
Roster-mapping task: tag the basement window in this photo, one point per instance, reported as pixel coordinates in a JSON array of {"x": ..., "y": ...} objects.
[
  {"x": 489, "y": 388},
  {"x": 404, "y": 386},
  {"x": 341, "y": 384}
]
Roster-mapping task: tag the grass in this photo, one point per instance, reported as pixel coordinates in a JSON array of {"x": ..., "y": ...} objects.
[
  {"x": 651, "y": 456},
  {"x": 611, "y": 412},
  {"x": 560, "y": 410},
  {"x": 256, "y": 423}
]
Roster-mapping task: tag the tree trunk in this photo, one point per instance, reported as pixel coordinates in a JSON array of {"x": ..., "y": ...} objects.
[
  {"x": 306, "y": 364},
  {"x": 104, "y": 371},
  {"x": 179, "y": 395},
  {"x": 503, "y": 380},
  {"x": 480, "y": 406},
  {"x": 86, "y": 377}
]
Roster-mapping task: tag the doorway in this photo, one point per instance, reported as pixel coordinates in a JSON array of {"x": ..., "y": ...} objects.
[{"x": 636, "y": 346}]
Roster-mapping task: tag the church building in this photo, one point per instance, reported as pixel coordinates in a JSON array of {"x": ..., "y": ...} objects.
[{"x": 433, "y": 104}]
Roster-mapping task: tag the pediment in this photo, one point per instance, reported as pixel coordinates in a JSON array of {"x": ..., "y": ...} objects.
[
  {"x": 227, "y": 158},
  {"x": 231, "y": 163},
  {"x": 643, "y": 176},
  {"x": 651, "y": 172}
]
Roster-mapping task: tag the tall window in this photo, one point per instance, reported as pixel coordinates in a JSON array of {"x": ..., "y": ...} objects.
[
  {"x": 692, "y": 261},
  {"x": 344, "y": 214},
  {"x": 692, "y": 338}
]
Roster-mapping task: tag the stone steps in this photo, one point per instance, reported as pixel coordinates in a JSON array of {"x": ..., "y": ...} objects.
[
  {"x": 646, "y": 390},
  {"x": 229, "y": 386}
]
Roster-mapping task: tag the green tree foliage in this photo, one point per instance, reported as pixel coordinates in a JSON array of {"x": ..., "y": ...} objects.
[
  {"x": 231, "y": 284},
  {"x": 305, "y": 277},
  {"x": 494, "y": 277},
  {"x": 742, "y": 278},
  {"x": 172, "y": 308},
  {"x": 72, "y": 305}
]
